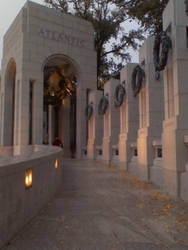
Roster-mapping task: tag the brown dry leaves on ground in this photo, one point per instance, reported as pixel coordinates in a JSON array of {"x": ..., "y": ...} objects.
[
  {"x": 165, "y": 211},
  {"x": 174, "y": 213},
  {"x": 132, "y": 181}
]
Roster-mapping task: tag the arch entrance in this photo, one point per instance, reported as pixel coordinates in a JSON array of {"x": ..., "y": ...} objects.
[
  {"x": 54, "y": 71},
  {"x": 59, "y": 103}
]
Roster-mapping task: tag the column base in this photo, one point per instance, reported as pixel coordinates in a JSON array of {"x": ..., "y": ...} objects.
[{"x": 107, "y": 150}]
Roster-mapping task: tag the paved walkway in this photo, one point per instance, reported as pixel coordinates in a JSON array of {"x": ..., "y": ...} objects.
[{"x": 99, "y": 207}]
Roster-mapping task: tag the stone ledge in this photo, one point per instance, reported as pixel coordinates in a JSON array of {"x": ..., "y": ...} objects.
[
  {"x": 46, "y": 176},
  {"x": 33, "y": 152}
]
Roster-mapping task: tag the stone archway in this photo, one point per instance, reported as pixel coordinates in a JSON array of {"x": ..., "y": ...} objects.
[
  {"x": 9, "y": 103},
  {"x": 56, "y": 39},
  {"x": 59, "y": 109}
]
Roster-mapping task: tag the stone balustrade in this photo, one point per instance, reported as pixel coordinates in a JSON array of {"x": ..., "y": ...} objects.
[{"x": 20, "y": 204}]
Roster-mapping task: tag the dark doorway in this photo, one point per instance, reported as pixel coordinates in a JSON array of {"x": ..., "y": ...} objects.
[{"x": 59, "y": 85}]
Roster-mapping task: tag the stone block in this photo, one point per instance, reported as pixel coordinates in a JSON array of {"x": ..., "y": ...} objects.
[
  {"x": 156, "y": 173},
  {"x": 20, "y": 205},
  {"x": 133, "y": 167}
]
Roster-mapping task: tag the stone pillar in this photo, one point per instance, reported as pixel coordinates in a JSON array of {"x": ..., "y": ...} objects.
[
  {"x": 37, "y": 107},
  {"x": 151, "y": 109},
  {"x": 111, "y": 121},
  {"x": 175, "y": 125},
  {"x": 50, "y": 136},
  {"x": 81, "y": 121},
  {"x": 64, "y": 126},
  {"x": 1, "y": 108},
  {"x": 128, "y": 118},
  {"x": 17, "y": 113},
  {"x": 95, "y": 125},
  {"x": 23, "y": 128}
]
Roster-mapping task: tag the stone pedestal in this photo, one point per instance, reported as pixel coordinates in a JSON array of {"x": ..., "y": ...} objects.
[
  {"x": 151, "y": 107},
  {"x": 95, "y": 125},
  {"x": 156, "y": 171},
  {"x": 111, "y": 122},
  {"x": 128, "y": 118},
  {"x": 133, "y": 164},
  {"x": 175, "y": 126}
]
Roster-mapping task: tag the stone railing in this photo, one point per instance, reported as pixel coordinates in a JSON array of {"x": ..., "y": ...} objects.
[{"x": 22, "y": 196}]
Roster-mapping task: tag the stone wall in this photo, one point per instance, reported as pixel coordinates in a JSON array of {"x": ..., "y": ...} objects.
[
  {"x": 18, "y": 204},
  {"x": 175, "y": 125}
]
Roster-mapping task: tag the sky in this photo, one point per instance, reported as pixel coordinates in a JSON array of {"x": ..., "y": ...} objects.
[{"x": 9, "y": 10}]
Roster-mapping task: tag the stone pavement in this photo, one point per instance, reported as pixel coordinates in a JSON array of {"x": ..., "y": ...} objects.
[{"x": 100, "y": 207}]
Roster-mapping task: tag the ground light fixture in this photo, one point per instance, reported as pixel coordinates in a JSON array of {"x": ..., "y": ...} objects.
[
  {"x": 28, "y": 178},
  {"x": 56, "y": 163}
]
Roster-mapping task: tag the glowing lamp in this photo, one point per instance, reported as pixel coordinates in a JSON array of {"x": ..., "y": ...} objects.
[
  {"x": 56, "y": 163},
  {"x": 28, "y": 178}
]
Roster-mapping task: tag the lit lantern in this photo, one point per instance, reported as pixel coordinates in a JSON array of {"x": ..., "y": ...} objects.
[
  {"x": 28, "y": 178},
  {"x": 56, "y": 163}
]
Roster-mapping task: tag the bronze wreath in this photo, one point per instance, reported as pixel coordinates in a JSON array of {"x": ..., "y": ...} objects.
[
  {"x": 119, "y": 95},
  {"x": 103, "y": 105},
  {"x": 138, "y": 76},
  {"x": 89, "y": 111},
  {"x": 160, "y": 59}
]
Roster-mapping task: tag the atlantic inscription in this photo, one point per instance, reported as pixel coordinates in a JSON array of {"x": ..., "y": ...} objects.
[{"x": 61, "y": 37}]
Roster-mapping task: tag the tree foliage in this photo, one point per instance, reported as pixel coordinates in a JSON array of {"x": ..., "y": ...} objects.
[
  {"x": 111, "y": 37},
  {"x": 147, "y": 12}
]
